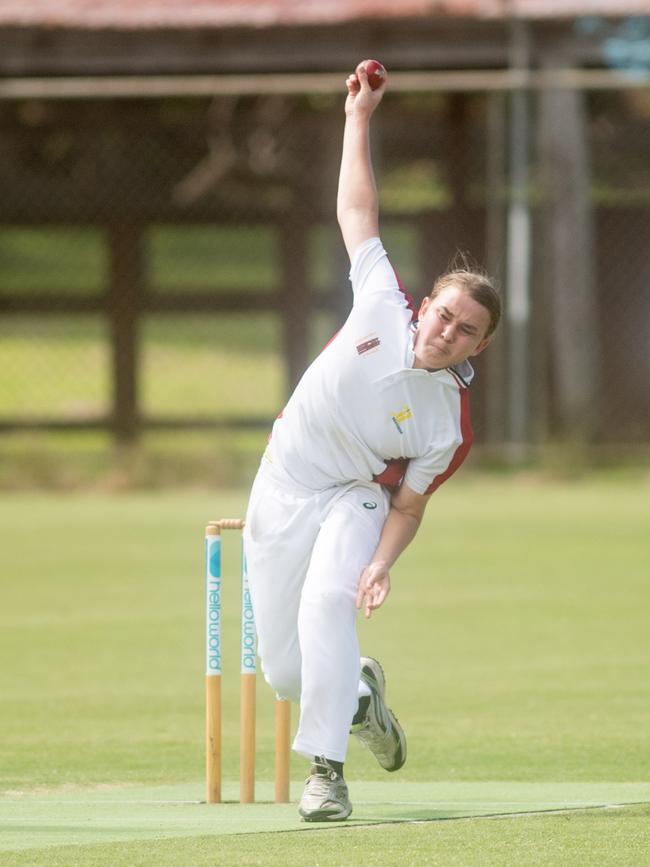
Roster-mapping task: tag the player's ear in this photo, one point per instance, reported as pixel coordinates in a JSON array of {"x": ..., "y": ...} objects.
[
  {"x": 481, "y": 346},
  {"x": 424, "y": 306}
]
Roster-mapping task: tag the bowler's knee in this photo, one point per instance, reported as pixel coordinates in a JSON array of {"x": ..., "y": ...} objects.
[
  {"x": 284, "y": 678},
  {"x": 332, "y": 602}
]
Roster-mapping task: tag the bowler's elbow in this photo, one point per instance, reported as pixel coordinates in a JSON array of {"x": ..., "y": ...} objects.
[{"x": 409, "y": 503}]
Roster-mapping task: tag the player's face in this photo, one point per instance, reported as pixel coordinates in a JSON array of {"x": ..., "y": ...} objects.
[{"x": 452, "y": 327}]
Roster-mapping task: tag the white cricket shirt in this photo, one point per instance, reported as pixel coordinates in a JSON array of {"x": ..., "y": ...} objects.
[{"x": 361, "y": 411}]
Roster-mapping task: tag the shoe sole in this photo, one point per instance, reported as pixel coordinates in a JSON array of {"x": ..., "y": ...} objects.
[
  {"x": 323, "y": 816},
  {"x": 373, "y": 666}
]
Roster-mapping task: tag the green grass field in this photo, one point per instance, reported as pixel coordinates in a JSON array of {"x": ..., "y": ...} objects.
[{"x": 515, "y": 644}]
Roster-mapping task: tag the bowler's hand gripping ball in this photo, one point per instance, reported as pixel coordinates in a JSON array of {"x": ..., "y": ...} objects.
[{"x": 376, "y": 73}]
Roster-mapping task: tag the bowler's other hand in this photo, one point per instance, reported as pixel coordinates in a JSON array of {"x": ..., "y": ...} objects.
[
  {"x": 361, "y": 98},
  {"x": 374, "y": 587}
]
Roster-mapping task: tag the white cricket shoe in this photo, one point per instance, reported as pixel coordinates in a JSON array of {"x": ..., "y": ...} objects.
[
  {"x": 325, "y": 796},
  {"x": 380, "y": 731}
]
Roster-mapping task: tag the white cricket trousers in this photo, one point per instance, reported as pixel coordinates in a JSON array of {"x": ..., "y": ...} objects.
[{"x": 305, "y": 552}]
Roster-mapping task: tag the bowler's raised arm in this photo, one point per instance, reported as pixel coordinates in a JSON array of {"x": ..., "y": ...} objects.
[{"x": 357, "y": 206}]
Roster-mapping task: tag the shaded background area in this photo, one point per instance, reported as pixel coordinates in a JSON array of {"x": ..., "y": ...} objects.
[{"x": 169, "y": 256}]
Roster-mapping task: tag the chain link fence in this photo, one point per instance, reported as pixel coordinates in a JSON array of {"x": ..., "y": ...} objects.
[{"x": 168, "y": 267}]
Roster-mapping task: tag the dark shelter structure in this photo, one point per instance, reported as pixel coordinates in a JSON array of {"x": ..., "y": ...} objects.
[{"x": 516, "y": 131}]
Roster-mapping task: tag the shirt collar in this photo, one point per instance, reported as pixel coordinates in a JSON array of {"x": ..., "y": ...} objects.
[{"x": 464, "y": 371}]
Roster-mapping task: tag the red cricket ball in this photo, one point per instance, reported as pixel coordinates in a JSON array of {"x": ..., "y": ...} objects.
[{"x": 376, "y": 72}]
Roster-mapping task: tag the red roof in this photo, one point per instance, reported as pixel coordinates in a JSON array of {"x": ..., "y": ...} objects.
[{"x": 137, "y": 14}]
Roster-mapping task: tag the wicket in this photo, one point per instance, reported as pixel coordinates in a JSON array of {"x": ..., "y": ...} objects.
[{"x": 248, "y": 668}]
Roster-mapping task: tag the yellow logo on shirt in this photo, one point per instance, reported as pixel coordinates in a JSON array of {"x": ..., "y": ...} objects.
[{"x": 400, "y": 417}]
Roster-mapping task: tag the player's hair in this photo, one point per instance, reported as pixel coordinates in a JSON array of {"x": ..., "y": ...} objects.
[{"x": 469, "y": 277}]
